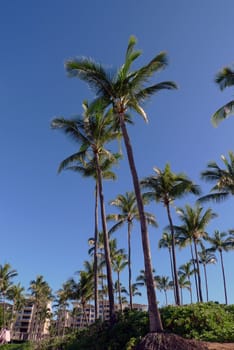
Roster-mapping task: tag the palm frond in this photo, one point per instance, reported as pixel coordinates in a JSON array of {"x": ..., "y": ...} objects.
[
  {"x": 142, "y": 75},
  {"x": 216, "y": 197},
  {"x": 223, "y": 113},
  {"x": 149, "y": 91},
  {"x": 225, "y": 78},
  {"x": 92, "y": 73}
]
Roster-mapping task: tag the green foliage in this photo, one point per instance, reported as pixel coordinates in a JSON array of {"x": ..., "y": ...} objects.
[
  {"x": 204, "y": 321},
  {"x": 21, "y": 346}
]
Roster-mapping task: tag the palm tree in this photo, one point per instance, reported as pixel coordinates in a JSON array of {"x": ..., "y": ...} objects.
[
  {"x": 222, "y": 178},
  {"x": 87, "y": 169},
  {"x": 224, "y": 78},
  {"x": 6, "y": 276},
  {"x": 16, "y": 294},
  {"x": 119, "y": 263},
  {"x": 165, "y": 186},
  {"x": 206, "y": 257},
  {"x": 92, "y": 132},
  {"x": 192, "y": 230},
  {"x": 184, "y": 284},
  {"x": 126, "y": 90},
  {"x": 63, "y": 295},
  {"x": 187, "y": 271},
  {"x": 127, "y": 205},
  {"x": 221, "y": 242},
  {"x": 41, "y": 295},
  {"x": 164, "y": 284},
  {"x": 166, "y": 242}
]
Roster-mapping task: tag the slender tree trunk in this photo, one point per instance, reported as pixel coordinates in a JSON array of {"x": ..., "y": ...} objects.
[
  {"x": 95, "y": 263},
  {"x": 206, "y": 282},
  {"x": 190, "y": 290},
  {"x": 106, "y": 243},
  {"x": 165, "y": 292},
  {"x": 129, "y": 264},
  {"x": 181, "y": 296},
  {"x": 172, "y": 273},
  {"x": 176, "y": 283},
  {"x": 224, "y": 278},
  {"x": 195, "y": 272},
  {"x": 198, "y": 272},
  {"x": 154, "y": 315},
  {"x": 119, "y": 292}
]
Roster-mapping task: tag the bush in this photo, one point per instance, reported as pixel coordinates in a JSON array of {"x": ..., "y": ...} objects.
[{"x": 203, "y": 321}]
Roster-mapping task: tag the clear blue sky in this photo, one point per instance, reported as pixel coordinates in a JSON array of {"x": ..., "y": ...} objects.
[{"x": 45, "y": 218}]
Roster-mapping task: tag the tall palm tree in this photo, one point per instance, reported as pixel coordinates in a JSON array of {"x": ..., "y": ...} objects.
[
  {"x": 224, "y": 78},
  {"x": 187, "y": 271},
  {"x": 119, "y": 263},
  {"x": 166, "y": 242},
  {"x": 184, "y": 283},
  {"x": 16, "y": 294},
  {"x": 87, "y": 169},
  {"x": 41, "y": 295},
  {"x": 127, "y": 205},
  {"x": 223, "y": 179},
  {"x": 6, "y": 276},
  {"x": 127, "y": 90},
  {"x": 194, "y": 222},
  {"x": 92, "y": 132},
  {"x": 164, "y": 284},
  {"x": 221, "y": 242},
  {"x": 63, "y": 295},
  {"x": 164, "y": 187},
  {"x": 206, "y": 257}
]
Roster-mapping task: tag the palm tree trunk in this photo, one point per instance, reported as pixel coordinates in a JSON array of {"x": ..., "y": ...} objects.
[
  {"x": 176, "y": 283},
  {"x": 154, "y": 315},
  {"x": 95, "y": 264},
  {"x": 172, "y": 273},
  {"x": 206, "y": 282},
  {"x": 119, "y": 292},
  {"x": 190, "y": 290},
  {"x": 198, "y": 272},
  {"x": 129, "y": 265},
  {"x": 224, "y": 278},
  {"x": 106, "y": 243},
  {"x": 195, "y": 271}
]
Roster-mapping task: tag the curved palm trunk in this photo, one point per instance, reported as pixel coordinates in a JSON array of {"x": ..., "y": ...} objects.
[
  {"x": 106, "y": 244},
  {"x": 198, "y": 272},
  {"x": 154, "y": 315},
  {"x": 176, "y": 283},
  {"x": 95, "y": 263},
  {"x": 224, "y": 278},
  {"x": 129, "y": 265},
  {"x": 206, "y": 282}
]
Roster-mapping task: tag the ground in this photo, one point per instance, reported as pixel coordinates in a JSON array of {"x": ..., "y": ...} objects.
[
  {"x": 220, "y": 346},
  {"x": 164, "y": 341}
]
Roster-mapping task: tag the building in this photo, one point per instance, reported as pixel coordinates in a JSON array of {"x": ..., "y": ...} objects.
[
  {"x": 28, "y": 326},
  {"x": 80, "y": 318}
]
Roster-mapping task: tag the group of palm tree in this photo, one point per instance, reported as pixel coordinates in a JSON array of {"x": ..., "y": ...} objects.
[
  {"x": 104, "y": 120},
  {"x": 13, "y": 299}
]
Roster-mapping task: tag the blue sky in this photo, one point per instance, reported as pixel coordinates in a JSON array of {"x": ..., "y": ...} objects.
[{"x": 45, "y": 218}]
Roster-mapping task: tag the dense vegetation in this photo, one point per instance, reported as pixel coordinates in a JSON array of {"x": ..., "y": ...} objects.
[{"x": 202, "y": 321}]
